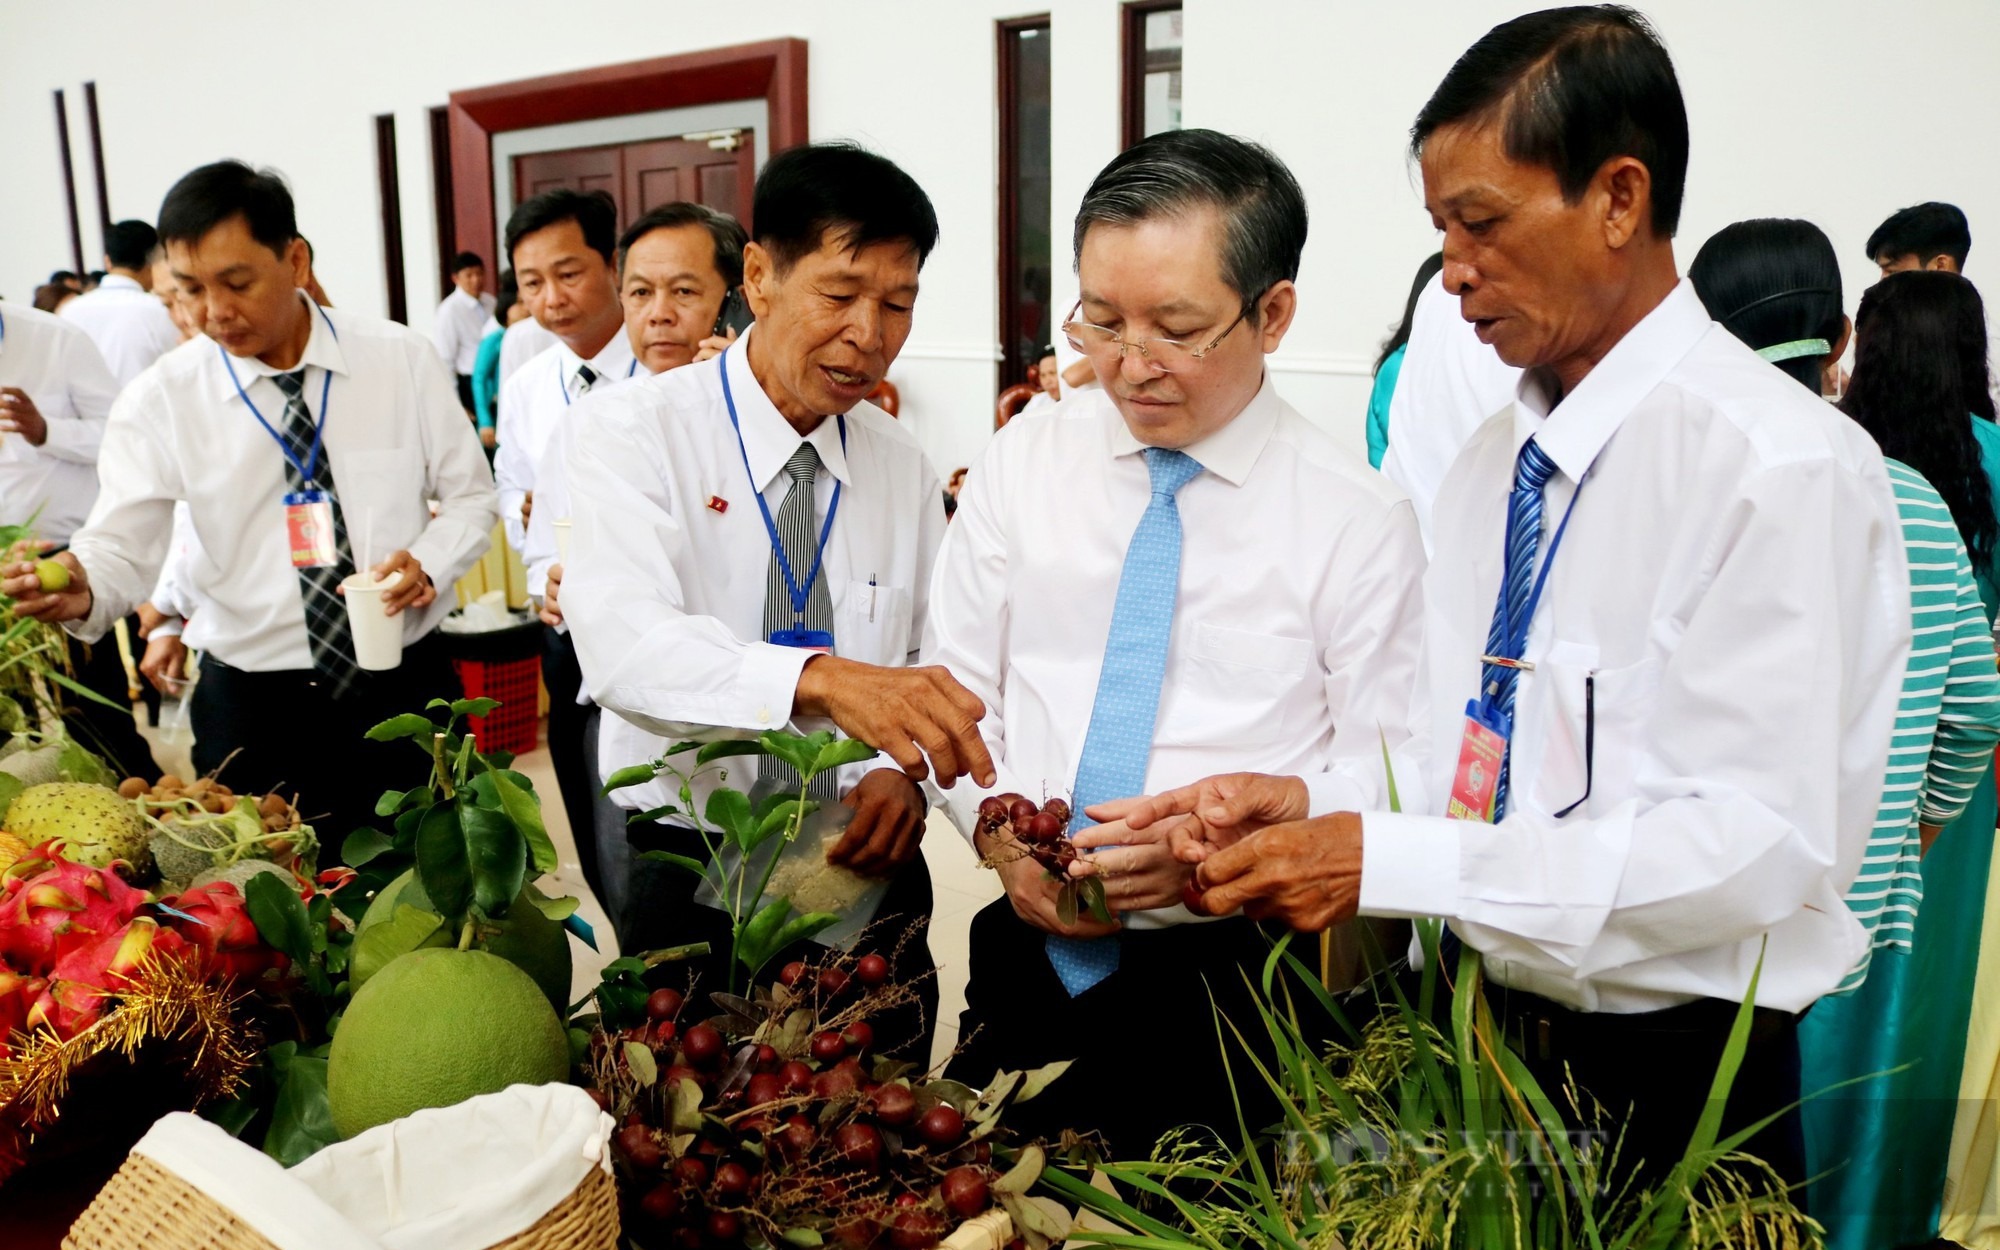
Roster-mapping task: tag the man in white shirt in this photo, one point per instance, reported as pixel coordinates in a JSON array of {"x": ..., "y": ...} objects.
[
  {"x": 694, "y": 617},
  {"x": 1700, "y": 711},
  {"x": 129, "y": 324},
  {"x": 1449, "y": 384},
  {"x": 522, "y": 341},
  {"x": 462, "y": 319},
  {"x": 1152, "y": 578},
  {"x": 55, "y": 395},
  {"x": 679, "y": 266},
  {"x": 287, "y": 423}
]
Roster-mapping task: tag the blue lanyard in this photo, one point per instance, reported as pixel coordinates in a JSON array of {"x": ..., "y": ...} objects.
[
  {"x": 1516, "y": 643},
  {"x": 562, "y": 377},
  {"x": 309, "y": 471},
  {"x": 799, "y": 596}
]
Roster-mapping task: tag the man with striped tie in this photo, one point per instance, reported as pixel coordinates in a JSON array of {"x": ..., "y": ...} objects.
[
  {"x": 1170, "y": 575},
  {"x": 1668, "y": 600},
  {"x": 307, "y": 443}
]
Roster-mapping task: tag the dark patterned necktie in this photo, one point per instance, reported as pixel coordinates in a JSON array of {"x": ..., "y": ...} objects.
[
  {"x": 800, "y": 535},
  {"x": 327, "y": 631}
]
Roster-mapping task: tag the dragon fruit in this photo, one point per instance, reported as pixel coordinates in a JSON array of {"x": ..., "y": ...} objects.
[
  {"x": 93, "y": 971},
  {"x": 222, "y": 931},
  {"x": 43, "y": 914},
  {"x": 17, "y": 993}
]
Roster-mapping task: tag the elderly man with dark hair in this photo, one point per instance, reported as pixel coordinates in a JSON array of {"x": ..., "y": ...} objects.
[
  {"x": 1664, "y": 629},
  {"x": 1922, "y": 236},
  {"x": 1174, "y": 574}
]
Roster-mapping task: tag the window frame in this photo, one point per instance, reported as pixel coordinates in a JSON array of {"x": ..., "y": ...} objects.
[{"x": 1132, "y": 17}]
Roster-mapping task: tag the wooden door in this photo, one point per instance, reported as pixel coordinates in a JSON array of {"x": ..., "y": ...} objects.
[{"x": 643, "y": 175}]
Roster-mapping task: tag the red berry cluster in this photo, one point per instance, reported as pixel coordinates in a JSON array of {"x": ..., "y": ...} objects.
[{"x": 1042, "y": 831}]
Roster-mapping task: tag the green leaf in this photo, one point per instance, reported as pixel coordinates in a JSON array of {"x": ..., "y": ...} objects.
[
  {"x": 474, "y": 707},
  {"x": 722, "y": 748},
  {"x": 74, "y": 763},
  {"x": 301, "y": 1119},
  {"x": 363, "y": 845},
  {"x": 496, "y": 854},
  {"x": 408, "y": 725},
  {"x": 685, "y": 745},
  {"x": 684, "y": 1101},
  {"x": 1027, "y": 1169},
  {"x": 652, "y": 814},
  {"x": 775, "y": 819},
  {"x": 754, "y": 942},
  {"x": 694, "y": 866},
  {"x": 405, "y": 931},
  {"x": 10, "y": 789},
  {"x": 797, "y": 751},
  {"x": 518, "y": 800},
  {"x": 842, "y": 751},
  {"x": 729, "y": 811},
  {"x": 1091, "y": 891},
  {"x": 630, "y": 775},
  {"x": 640, "y": 1059},
  {"x": 442, "y": 864},
  {"x": 280, "y": 917},
  {"x": 557, "y": 909},
  {"x": 799, "y": 928},
  {"x": 803, "y": 1237},
  {"x": 1036, "y": 1080}
]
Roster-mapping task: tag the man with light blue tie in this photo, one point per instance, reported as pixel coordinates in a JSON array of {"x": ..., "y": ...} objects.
[{"x": 1143, "y": 583}]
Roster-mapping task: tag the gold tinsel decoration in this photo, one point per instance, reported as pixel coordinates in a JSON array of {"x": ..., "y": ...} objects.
[{"x": 167, "y": 1003}]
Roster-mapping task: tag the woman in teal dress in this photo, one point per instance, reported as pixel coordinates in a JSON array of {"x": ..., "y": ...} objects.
[
  {"x": 1920, "y": 388},
  {"x": 1389, "y": 365}
]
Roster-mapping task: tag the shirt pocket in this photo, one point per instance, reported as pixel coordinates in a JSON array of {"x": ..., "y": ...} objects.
[
  {"x": 381, "y": 497},
  {"x": 871, "y": 624},
  {"x": 1250, "y": 686},
  {"x": 1591, "y": 722}
]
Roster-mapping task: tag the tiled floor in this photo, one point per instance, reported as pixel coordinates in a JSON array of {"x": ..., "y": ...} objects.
[{"x": 961, "y": 886}]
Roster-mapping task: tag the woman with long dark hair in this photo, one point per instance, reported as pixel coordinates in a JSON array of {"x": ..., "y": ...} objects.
[
  {"x": 1389, "y": 365},
  {"x": 1775, "y": 284}
]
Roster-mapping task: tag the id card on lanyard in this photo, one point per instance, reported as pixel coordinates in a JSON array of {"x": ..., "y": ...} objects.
[
  {"x": 1489, "y": 729},
  {"x": 310, "y": 535},
  {"x": 798, "y": 636}
]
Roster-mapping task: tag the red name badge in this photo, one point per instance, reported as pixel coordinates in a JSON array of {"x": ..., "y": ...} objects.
[
  {"x": 1478, "y": 775},
  {"x": 309, "y": 530}
]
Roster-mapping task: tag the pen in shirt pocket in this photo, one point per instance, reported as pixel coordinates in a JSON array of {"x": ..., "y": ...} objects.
[{"x": 871, "y": 598}]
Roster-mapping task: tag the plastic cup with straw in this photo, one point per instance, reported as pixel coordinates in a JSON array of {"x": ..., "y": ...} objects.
[{"x": 378, "y": 637}]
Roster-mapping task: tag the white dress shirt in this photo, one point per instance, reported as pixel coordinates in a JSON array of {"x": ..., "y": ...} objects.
[
  {"x": 533, "y": 405},
  {"x": 520, "y": 343},
  {"x": 61, "y": 370},
  {"x": 1450, "y": 383},
  {"x": 539, "y": 553},
  {"x": 129, "y": 324},
  {"x": 664, "y": 589},
  {"x": 1295, "y": 630},
  {"x": 395, "y": 438},
  {"x": 460, "y": 323},
  {"x": 1732, "y": 584}
]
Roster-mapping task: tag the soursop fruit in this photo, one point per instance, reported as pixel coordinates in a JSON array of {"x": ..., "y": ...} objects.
[{"x": 95, "y": 824}]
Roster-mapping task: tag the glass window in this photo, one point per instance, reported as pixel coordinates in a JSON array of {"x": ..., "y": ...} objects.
[
  {"x": 1025, "y": 318},
  {"x": 1152, "y": 69}
]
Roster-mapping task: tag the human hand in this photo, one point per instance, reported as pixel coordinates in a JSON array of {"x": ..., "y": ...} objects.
[
  {"x": 551, "y": 612},
  {"x": 165, "y": 664},
  {"x": 888, "y": 826},
  {"x": 18, "y": 415},
  {"x": 1032, "y": 893},
  {"x": 489, "y": 437},
  {"x": 24, "y": 586},
  {"x": 150, "y": 619},
  {"x": 1138, "y": 866},
  {"x": 907, "y": 713},
  {"x": 527, "y": 507},
  {"x": 1214, "y": 812},
  {"x": 412, "y": 588},
  {"x": 1306, "y": 873},
  {"x": 714, "y": 345}
]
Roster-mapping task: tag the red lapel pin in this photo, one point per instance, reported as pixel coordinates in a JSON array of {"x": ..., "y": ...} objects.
[{"x": 717, "y": 503}]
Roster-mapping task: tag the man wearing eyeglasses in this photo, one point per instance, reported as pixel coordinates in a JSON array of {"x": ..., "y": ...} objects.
[{"x": 1143, "y": 582}]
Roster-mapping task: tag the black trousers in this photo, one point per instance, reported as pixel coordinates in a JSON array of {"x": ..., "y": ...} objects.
[
  {"x": 662, "y": 912},
  {"x": 576, "y": 772},
  {"x": 283, "y": 730},
  {"x": 465, "y": 392},
  {"x": 1144, "y": 1041},
  {"x": 1651, "y": 1072},
  {"x": 109, "y": 731}
]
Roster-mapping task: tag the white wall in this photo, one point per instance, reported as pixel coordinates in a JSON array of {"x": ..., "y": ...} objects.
[{"x": 1835, "y": 110}]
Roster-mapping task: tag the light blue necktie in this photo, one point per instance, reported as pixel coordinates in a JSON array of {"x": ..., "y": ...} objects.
[
  {"x": 1120, "y": 738},
  {"x": 1532, "y": 471}
]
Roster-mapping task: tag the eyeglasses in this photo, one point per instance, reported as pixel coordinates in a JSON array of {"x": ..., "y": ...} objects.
[{"x": 1165, "y": 355}]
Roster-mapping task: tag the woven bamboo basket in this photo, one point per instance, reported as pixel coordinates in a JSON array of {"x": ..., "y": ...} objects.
[{"x": 147, "y": 1207}]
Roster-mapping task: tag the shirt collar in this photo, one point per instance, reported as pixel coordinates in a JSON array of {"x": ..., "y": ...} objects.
[
  {"x": 611, "y": 363},
  {"x": 322, "y": 349},
  {"x": 769, "y": 441},
  {"x": 1587, "y": 417},
  {"x": 119, "y": 282},
  {"x": 1229, "y": 453}
]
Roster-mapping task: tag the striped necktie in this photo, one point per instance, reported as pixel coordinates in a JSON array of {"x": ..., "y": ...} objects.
[
  {"x": 1119, "y": 742},
  {"x": 1512, "y": 612},
  {"x": 328, "y": 635},
  {"x": 799, "y": 532}
]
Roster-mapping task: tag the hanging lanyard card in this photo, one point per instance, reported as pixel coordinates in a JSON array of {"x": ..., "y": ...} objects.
[
  {"x": 309, "y": 529},
  {"x": 804, "y": 639},
  {"x": 1479, "y": 756}
]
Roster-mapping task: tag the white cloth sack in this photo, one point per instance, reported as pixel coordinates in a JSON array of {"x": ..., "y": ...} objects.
[
  {"x": 465, "y": 1177},
  {"x": 280, "y": 1206}
]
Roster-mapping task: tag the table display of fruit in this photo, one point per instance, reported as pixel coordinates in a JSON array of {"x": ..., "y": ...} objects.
[
  {"x": 202, "y": 830},
  {"x": 1020, "y": 828},
  {"x": 774, "y": 1123}
]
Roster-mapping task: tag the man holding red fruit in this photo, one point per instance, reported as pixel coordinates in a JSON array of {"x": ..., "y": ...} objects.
[{"x": 1147, "y": 581}]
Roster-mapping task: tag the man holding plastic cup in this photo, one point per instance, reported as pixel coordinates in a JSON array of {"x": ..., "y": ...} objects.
[{"x": 307, "y": 443}]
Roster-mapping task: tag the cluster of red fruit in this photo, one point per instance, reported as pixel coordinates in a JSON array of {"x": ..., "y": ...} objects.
[
  {"x": 739, "y": 1141},
  {"x": 1043, "y": 831}
]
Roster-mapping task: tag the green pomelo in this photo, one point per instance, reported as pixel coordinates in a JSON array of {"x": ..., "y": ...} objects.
[{"x": 434, "y": 1028}]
